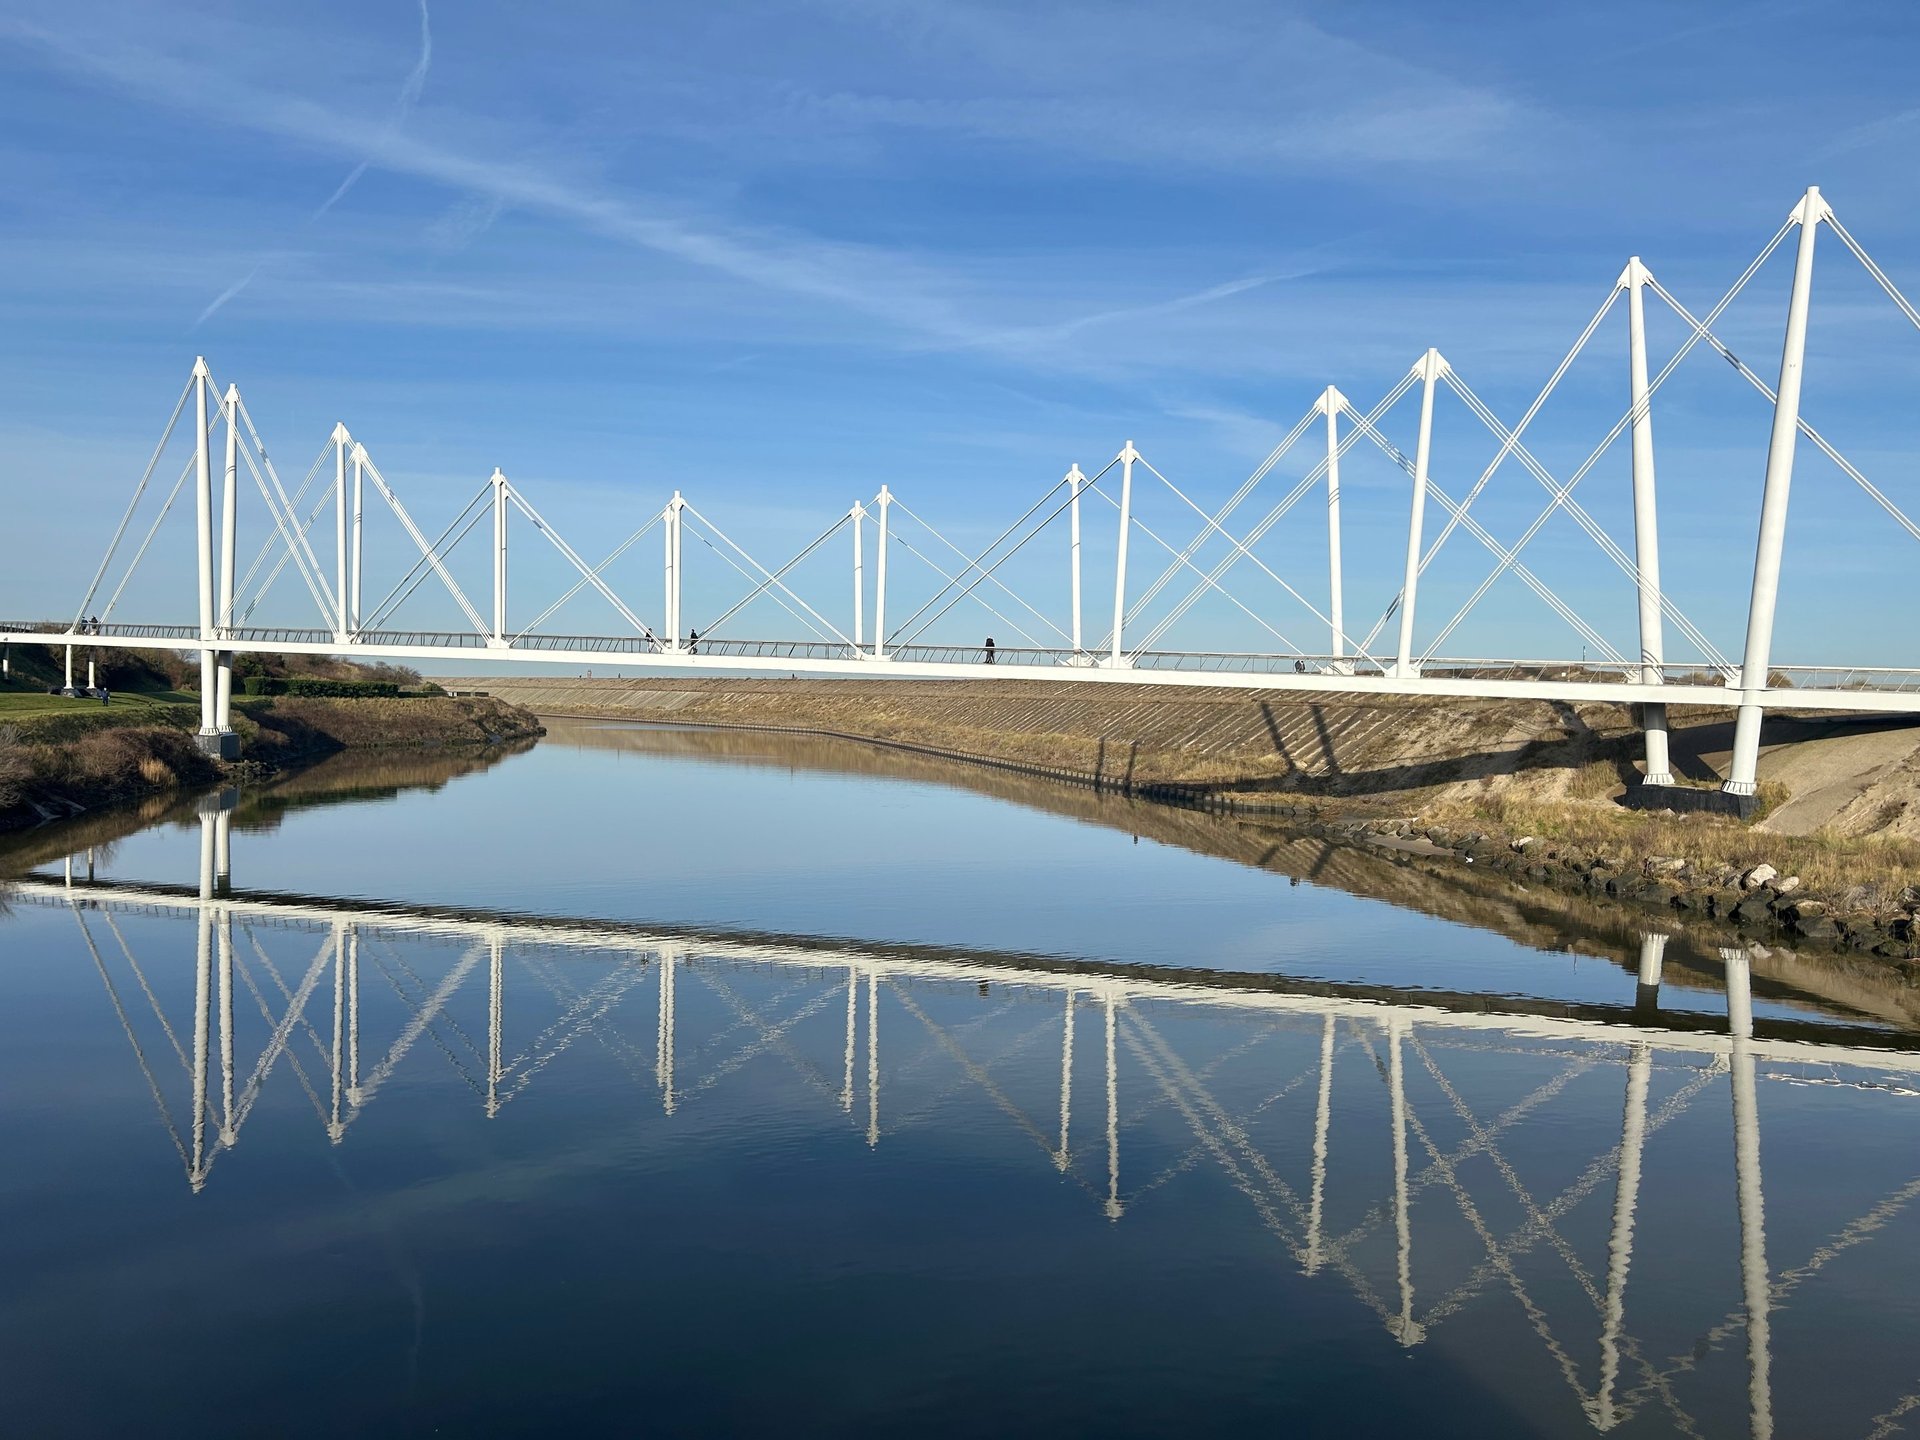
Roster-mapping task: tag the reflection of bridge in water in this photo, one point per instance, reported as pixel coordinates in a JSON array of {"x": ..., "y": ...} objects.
[{"x": 312, "y": 1018}]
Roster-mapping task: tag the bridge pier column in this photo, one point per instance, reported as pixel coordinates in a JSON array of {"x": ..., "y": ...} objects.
[
  {"x": 1646, "y": 527},
  {"x": 1743, "y": 773},
  {"x": 1075, "y": 483},
  {"x": 885, "y": 502},
  {"x": 214, "y": 737},
  {"x": 203, "y": 514},
  {"x": 499, "y": 557},
  {"x": 229, "y": 539},
  {"x": 859, "y": 577},
  {"x": 355, "y": 533},
  {"x": 1431, "y": 368},
  {"x": 1118, "y": 660},
  {"x": 1331, "y": 403}
]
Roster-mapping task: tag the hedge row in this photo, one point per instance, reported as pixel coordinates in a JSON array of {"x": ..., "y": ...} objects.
[{"x": 326, "y": 689}]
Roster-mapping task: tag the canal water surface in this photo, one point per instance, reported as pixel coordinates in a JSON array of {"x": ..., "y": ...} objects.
[{"x": 657, "y": 1081}]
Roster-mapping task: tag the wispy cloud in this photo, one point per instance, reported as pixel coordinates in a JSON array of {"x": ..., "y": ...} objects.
[
  {"x": 875, "y": 282},
  {"x": 1253, "y": 88}
]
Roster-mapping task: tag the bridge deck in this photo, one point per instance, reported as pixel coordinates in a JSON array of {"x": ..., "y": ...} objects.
[{"x": 1804, "y": 687}]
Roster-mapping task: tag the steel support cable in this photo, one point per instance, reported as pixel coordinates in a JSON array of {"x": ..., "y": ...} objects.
[
  {"x": 292, "y": 1016},
  {"x": 316, "y": 584},
  {"x": 1707, "y": 649},
  {"x": 372, "y": 471},
  {"x": 722, "y": 535},
  {"x": 418, "y": 576},
  {"x": 581, "y": 584},
  {"x": 153, "y": 1001},
  {"x": 1479, "y": 532},
  {"x": 1273, "y": 517},
  {"x": 1566, "y": 612},
  {"x": 774, "y": 578},
  {"x": 133, "y": 505},
  {"x": 572, "y": 558},
  {"x": 997, "y": 542},
  {"x": 973, "y": 584},
  {"x": 1292, "y": 498},
  {"x": 1087, "y": 484},
  {"x": 266, "y": 546},
  {"x": 1620, "y": 426},
  {"x": 969, "y": 592},
  {"x": 324, "y": 596},
  {"x": 1235, "y": 600},
  {"x": 1279, "y": 512},
  {"x": 1248, "y": 554},
  {"x": 283, "y": 1028},
  {"x": 1510, "y": 442},
  {"x": 321, "y": 1051},
  {"x": 139, "y": 1053},
  {"x": 280, "y": 565},
  {"x": 421, "y": 569},
  {"x": 1562, "y": 498},
  {"x": 1879, "y": 496},
  {"x": 1233, "y": 503},
  {"x": 1879, "y": 275},
  {"x": 772, "y": 595},
  {"x": 152, "y": 531}
]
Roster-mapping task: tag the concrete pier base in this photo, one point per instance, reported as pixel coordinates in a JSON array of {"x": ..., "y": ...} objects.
[{"x": 224, "y": 745}]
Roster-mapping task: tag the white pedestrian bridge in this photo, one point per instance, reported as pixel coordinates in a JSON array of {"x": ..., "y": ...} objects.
[{"x": 860, "y": 631}]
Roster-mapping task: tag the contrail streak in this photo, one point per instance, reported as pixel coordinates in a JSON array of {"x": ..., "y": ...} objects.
[{"x": 403, "y": 107}]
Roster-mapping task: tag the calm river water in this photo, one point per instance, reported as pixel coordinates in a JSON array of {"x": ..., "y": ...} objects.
[{"x": 656, "y": 1081}]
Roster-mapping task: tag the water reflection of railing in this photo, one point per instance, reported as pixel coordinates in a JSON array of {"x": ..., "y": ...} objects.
[{"x": 1396, "y": 1042}]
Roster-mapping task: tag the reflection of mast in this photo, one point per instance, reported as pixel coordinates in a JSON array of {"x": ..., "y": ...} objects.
[
  {"x": 1062, "y": 1158},
  {"x": 202, "y": 976},
  {"x": 1626, "y": 1197},
  {"x": 495, "y": 979},
  {"x": 353, "y": 1013},
  {"x": 873, "y": 1055},
  {"x": 1408, "y": 1332},
  {"x": 663, "y": 1042},
  {"x": 223, "y": 853},
  {"x": 853, "y": 1019},
  {"x": 1753, "y": 1217},
  {"x": 1113, "y": 1120},
  {"x": 1646, "y": 995},
  {"x": 1322, "y": 1121},
  {"x": 334, "y": 1129},
  {"x": 227, "y": 1132}
]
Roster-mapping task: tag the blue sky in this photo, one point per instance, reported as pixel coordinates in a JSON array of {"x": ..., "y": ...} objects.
[{"x": 775, "y": 256}]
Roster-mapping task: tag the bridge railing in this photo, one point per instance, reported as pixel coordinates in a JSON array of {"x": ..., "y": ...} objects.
[{"x": 1882, "y": 679}]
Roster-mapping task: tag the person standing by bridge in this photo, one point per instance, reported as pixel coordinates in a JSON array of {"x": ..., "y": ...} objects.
[{"x": 989, "y": 649}]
